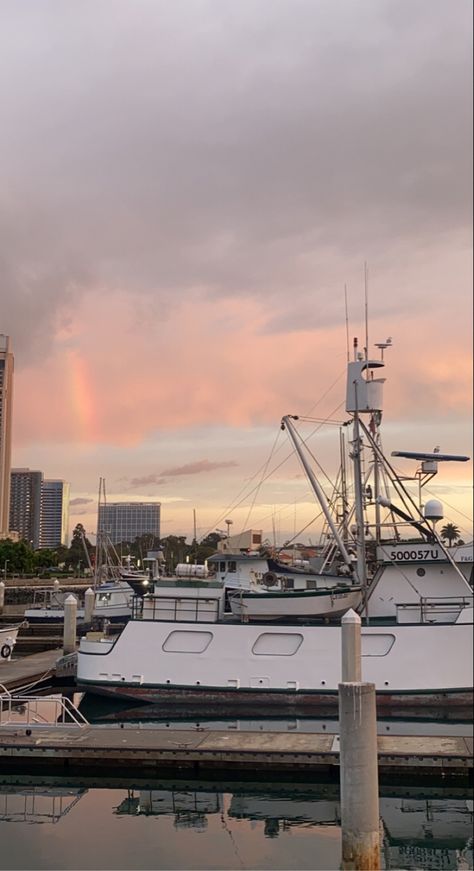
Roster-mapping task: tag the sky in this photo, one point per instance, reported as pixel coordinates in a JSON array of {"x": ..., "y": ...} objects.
[{"x": 186, "y": 190}]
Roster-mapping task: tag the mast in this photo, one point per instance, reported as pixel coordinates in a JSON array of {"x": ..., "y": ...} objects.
[
  {"x": 287, "y": 423},
  {"x": 364, "y": 396}
]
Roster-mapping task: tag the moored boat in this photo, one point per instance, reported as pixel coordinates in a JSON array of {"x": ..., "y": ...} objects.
[
  {"x": 8, "y": 636},
  {"x": 180, "y": 645},
  {"x": 269, "y": 604}
]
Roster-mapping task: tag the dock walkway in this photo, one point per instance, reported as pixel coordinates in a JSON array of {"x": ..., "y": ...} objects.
[
  {"x": 28, "y": 670},
  {"x": 106, "y": 747}
]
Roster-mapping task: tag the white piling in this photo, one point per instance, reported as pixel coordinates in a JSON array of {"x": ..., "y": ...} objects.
[
  {"x": 70, "y": 623},
  {"x": 351, "y": 652},
  {"x": 2, "y": 596},
  {"x": 56, "y": 585},
  {"x": 89, "y": 600},
  {"x": 358, "y": 758}
]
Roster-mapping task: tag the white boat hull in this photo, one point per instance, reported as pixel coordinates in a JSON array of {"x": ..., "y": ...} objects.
[
  {"x": 8, "y": 636},
  {"x": 294, "y": 605},
  {"x": 242, "y": 662}
]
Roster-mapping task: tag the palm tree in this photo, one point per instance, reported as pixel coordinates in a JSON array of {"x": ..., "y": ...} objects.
[{"x": 451, "y": 533}]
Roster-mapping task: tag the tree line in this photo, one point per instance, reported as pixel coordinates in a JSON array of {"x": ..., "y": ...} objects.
[{"x": 19, "y": 557}]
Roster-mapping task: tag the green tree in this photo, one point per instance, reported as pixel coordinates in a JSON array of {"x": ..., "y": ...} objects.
[
  {"x": 16, "y": 557},
  {"x": 450, "y": 533},
  {"x": 76, "y": 555}
]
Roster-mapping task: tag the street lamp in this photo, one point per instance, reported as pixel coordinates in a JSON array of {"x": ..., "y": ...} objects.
[{"x": 5, "y": 568}]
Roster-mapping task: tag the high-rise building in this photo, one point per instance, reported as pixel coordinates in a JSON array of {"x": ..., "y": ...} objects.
[
  {"x": 54, "y": 513},
  {"x": 126, "y": 521},
  {"x": 25, "y": 504},
  {"x": 6, "y": 407}
]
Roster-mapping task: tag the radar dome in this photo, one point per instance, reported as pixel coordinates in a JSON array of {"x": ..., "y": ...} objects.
[{"x": 434, "y": 510}]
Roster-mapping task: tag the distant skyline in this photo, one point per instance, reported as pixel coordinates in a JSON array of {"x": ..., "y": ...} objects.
[{"x": 186, "y": 188}]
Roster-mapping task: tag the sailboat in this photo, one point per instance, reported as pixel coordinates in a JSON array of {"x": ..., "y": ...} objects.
[{"x": 181, "y": 646}]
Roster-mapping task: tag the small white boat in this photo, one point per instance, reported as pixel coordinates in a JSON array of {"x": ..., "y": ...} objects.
[
  {"x": 264, "y": 604},
  {"x": 48, "y": 607},
  {"x": 8, "y": 636}
]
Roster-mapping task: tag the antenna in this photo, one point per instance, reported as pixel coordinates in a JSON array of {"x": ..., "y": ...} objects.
[
  {"x": 366, "y": 294},
  {"x": 347, "y": 322}
]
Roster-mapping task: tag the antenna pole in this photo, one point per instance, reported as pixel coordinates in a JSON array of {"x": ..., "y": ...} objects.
[
  {"x": 347, "y": 322},
  {"x": 366, "y": 294}
]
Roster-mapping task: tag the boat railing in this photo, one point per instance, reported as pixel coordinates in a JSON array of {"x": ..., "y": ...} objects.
[
  {"x": 433, "y": 609},
  {"x": 187, "y": 609},
  {"x": 51, "y": 711}
]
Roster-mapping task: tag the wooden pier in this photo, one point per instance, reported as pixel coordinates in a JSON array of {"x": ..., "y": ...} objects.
[{"x": 99, "y": 747}]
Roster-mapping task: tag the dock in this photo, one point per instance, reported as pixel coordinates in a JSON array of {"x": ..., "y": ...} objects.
[
  {"x": 146, "y": 749},
  {"x": 16, "y": 673}
]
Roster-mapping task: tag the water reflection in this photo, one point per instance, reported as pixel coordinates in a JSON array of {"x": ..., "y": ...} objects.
[{"x": 423, "y": 828}]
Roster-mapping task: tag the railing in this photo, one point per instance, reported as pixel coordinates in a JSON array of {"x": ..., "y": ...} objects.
[
  {"x": 430, "y": 609},
  {"x": 177, "y": 609},
  {"x": 26, "y": 711}
]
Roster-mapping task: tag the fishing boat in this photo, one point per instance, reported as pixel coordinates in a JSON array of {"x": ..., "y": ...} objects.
[
  {"x": 415, "y": 604},
  {"x": 8, "y": 636}
]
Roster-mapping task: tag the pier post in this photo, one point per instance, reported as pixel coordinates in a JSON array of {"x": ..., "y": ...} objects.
[
  {"x": 70, "y": 622},
  {"x": 56, "y": 585},
  {"x": 2, "y": 596},
  {"x": 351, "y": 647},
  {"x": 358, "y": 757},
  {"x": 89, "y": 600}
]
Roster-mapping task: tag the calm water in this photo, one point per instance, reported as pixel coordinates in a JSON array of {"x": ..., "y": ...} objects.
[
  {"x": 128, "y": 824},
  {"x": 248, "y": 823}
]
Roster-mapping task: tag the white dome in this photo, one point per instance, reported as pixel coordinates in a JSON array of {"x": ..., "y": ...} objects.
[{"x": 434, "y": 510}]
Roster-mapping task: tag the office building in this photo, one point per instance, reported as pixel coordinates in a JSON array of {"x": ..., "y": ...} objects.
[
  {"x": 25, "y": 504},
  {"x": 126, "y": 521},
  {"x": 6, "y": 407},
  {"x": 54, "y": 514}
]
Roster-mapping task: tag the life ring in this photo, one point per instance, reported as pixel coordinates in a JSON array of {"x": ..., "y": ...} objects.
[
  {"x": 5, "y": 651},
  {"x": 269, "y": 579}
]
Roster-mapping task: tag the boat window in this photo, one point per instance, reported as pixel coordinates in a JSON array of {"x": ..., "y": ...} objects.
[
  {"x": 288, "y": 584},
  {"x": 276, "y": 644},
  {"x": 222, "y": 567},
  {"x": 232, "y": 566},
  {"x": 311, "y": 585},
  {"x": 187, "y": 641},
  {"x": 376, "y": 645}
]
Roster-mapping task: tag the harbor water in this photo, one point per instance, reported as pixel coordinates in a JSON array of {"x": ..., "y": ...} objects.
[{"x": 242, "y": 820}]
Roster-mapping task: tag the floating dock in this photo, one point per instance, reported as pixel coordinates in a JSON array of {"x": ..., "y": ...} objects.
[
  {"x": 99, "y": 747},
  {"x": 16, "y": 673}
]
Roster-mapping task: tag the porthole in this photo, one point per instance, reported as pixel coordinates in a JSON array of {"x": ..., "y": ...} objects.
[{"x": 421, "y": 572}]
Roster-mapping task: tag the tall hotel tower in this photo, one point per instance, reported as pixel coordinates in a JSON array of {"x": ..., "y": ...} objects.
[{"x": 6, "y": 406}]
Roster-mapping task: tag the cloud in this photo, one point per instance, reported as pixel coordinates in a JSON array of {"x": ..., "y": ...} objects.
[
  {"x": 195, "y": 468},
  {"x": 245, "y": 150},
  {"x": 80, "y": 501}
]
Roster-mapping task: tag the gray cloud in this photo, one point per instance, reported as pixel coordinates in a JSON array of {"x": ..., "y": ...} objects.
[
  {"x": 225, "y": 148},
  {"x": 80, "y": 501},
  {"x": 196, "y": 468}
]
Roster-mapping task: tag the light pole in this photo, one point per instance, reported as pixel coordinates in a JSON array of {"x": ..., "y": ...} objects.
[{"x": 5, "y": 569}]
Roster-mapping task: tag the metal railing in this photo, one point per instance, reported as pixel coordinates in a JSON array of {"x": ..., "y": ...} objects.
[
  {"x": 430, "y": 609},
  {"x": 51, "y": 711}
]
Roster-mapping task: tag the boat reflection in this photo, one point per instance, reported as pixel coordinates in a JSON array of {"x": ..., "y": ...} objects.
[
  {"x": 422, "y": 829},
  {"x": 107, "y": 711}
]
